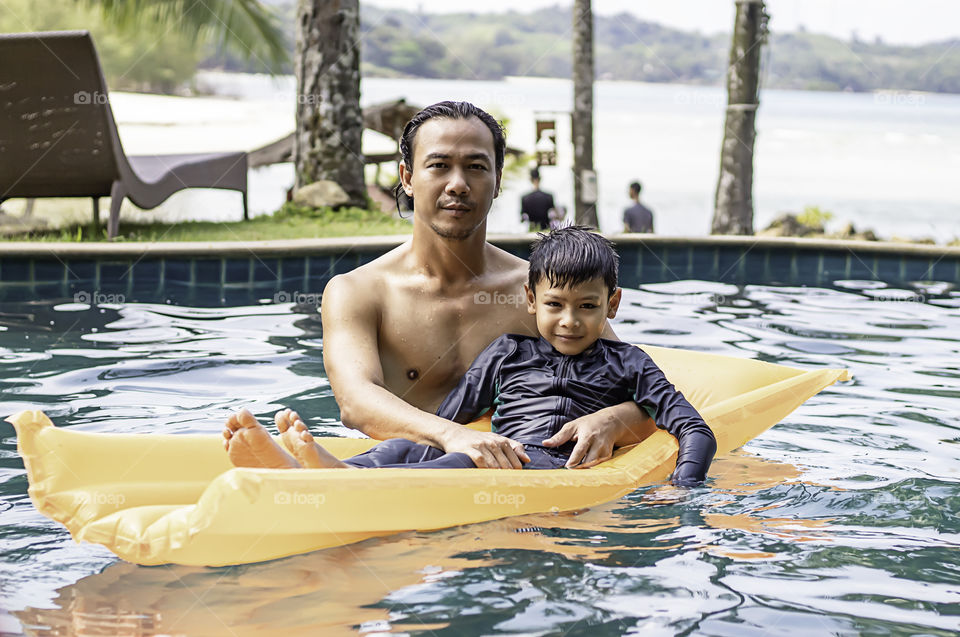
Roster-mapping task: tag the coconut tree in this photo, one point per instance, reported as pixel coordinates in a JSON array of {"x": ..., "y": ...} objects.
[
  {"x": 245, "y": 26},
  {"x": 733, "y": 211},
  {"x": 584, "y": 179}
]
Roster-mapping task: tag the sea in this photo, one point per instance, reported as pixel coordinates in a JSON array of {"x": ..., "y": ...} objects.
[{"x": 883, "y": 161}]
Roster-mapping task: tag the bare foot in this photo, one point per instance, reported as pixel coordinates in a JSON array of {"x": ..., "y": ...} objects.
[
  {"x": 300, "y": 443},
  {"x": 249, "y": 444}
]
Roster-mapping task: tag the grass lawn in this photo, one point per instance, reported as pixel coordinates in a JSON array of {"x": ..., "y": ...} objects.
[{"x": 290, "y": 222}]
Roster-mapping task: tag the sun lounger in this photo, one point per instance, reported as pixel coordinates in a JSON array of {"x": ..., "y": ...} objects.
[{"x": 58, "y": 137}]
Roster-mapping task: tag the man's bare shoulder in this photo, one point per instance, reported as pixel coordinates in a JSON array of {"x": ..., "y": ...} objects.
[
  {"x": 367, "y": 281},
  {"x": 506, "y": 268}
]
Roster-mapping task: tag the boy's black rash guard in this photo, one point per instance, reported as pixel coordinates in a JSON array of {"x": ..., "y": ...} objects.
[{"x": 535, "y": 390}]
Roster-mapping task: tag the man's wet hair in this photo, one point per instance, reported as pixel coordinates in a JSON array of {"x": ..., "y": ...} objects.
[
  {"x": 636, "y": 187},
  {"x": 573, "y": 255},
  {"x": 445, "y": 110}
]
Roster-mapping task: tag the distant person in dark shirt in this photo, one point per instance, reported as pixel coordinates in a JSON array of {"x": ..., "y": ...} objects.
[
  {"x": 637, "y": 218},
  {"x": 535, "y": 207}
]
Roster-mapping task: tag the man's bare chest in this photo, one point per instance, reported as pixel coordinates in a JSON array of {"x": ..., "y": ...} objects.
[{"x": 427, "y": 346}]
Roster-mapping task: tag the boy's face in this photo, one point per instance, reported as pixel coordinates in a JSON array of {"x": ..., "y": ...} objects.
[{"x": 572, "y": 318}]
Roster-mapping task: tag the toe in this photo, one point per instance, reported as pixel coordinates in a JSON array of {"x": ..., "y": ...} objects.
[
  {"x": 246, "y": 419},
  {"x": 232, "y": 423},
  {"x": 280, "y": 418}
]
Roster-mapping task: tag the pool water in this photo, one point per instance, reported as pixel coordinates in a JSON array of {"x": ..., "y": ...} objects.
[{"x": 843, "y": 519}]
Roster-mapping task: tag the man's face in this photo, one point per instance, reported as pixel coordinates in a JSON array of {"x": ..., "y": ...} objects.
[
  {"x": 454, "y": 178},
  {"x": 572, "y": 318}
]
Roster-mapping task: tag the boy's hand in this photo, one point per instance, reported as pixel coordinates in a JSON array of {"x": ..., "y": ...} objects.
[
  {"x": 595, "y": 438},
  {"x": 597, "y": 434},
  {"x": 487, "y": 450}
]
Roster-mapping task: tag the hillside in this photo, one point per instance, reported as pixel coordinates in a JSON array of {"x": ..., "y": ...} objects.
[{"x": 537, "y": 43}]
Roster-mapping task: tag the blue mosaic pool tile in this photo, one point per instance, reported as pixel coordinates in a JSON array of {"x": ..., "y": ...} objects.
[
  {"x": 16, "y": 293},
  {"x": 704, "y": 264},
  {"x": 81, "y": 270},
  {"x": 147, "y": 271},
  {"x": 833, "y": 266},
  {"x": 234, "y": 296},
  {"x": 755, "y": 266},
  {"x": 293, "y": 268},
  {"x": 807, "y": 269},
  {"x": 236, "y": 270},
  {"x": 630, "y": 266},
  {"x": 176, "y": 271},
  {"x": 888, "y": 268},
  {"x": 729, "y": 264},
  {"x": 946, "y": 270},
  {"x": 114, "y": 273},
  {"x": 266, "y": 270},
  {"x": 862, "y": 266},
  {"x": 208, "y": 271},
  {"x": 780, "y": 266},
  {"x": 916, "y": 269},
  {"x": 51, "y": 292},
  {"x": 16, "y": 271},
  {"x": 48, "y": 271},
  {"x": 337, "y": 264},
  {"x": 677, "y": 263}
]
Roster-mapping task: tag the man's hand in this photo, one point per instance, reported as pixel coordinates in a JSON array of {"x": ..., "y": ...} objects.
[
  {"x": 597, "y": 434},
  {"x": 487, "y": 450}
]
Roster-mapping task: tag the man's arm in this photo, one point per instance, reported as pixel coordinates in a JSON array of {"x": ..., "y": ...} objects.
[{"x": 351, "y": 358}]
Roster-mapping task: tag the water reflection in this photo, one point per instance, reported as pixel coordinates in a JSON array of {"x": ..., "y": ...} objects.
[
  {"x": 340, "y": 590},
  {"x": 842, "y": 519}
]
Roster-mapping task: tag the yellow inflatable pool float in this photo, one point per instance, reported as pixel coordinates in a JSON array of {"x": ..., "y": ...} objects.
[{"x": 161, "y": 498}]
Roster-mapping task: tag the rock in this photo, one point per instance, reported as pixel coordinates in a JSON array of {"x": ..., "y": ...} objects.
[
  {"x": 321, "y": 194},
  {"x": 787, "y": 225}
]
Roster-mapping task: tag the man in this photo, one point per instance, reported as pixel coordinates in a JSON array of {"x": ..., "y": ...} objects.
[
  {"x": 637, "y": 218},
  {"x": 537, "y": 206},
  {"x": 399, "y": 332}
]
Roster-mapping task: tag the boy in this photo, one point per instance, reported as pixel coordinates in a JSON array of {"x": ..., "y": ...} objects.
[{"x": 537, "y": 384}]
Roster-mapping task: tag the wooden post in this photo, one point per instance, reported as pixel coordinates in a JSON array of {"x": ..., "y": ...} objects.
[
  {"x": 733, "y": 210},
  {"x": 584, "y": 178}
]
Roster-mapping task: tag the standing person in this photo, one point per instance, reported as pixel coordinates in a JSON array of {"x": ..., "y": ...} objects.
[
  {"x": 536, "y": 206},
  {"x": 399, "y": 332},
  {"x": 637, "y": 217}
]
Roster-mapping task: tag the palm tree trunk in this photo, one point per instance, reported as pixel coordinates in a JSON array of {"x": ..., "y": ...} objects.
[
  {"x": 584, "y": 179},
  {"x": 329, "y": 119},
  {"x": 733, "y": 212}
]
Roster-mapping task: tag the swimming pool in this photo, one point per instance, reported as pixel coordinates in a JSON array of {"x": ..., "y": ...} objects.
[{"x": 842, "y": 519}]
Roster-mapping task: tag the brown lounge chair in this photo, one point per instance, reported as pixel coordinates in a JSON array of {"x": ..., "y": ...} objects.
[{"x": 58, "y": 137}]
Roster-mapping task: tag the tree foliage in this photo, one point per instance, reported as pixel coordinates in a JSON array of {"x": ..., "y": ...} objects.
[{"x": 153, "y": 58}]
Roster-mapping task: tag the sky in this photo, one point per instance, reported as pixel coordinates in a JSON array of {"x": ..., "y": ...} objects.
[{"x": 895, "y": 21}]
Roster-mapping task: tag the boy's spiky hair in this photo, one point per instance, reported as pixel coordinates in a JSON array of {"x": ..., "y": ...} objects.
[{"x": 573, "y": 255}]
